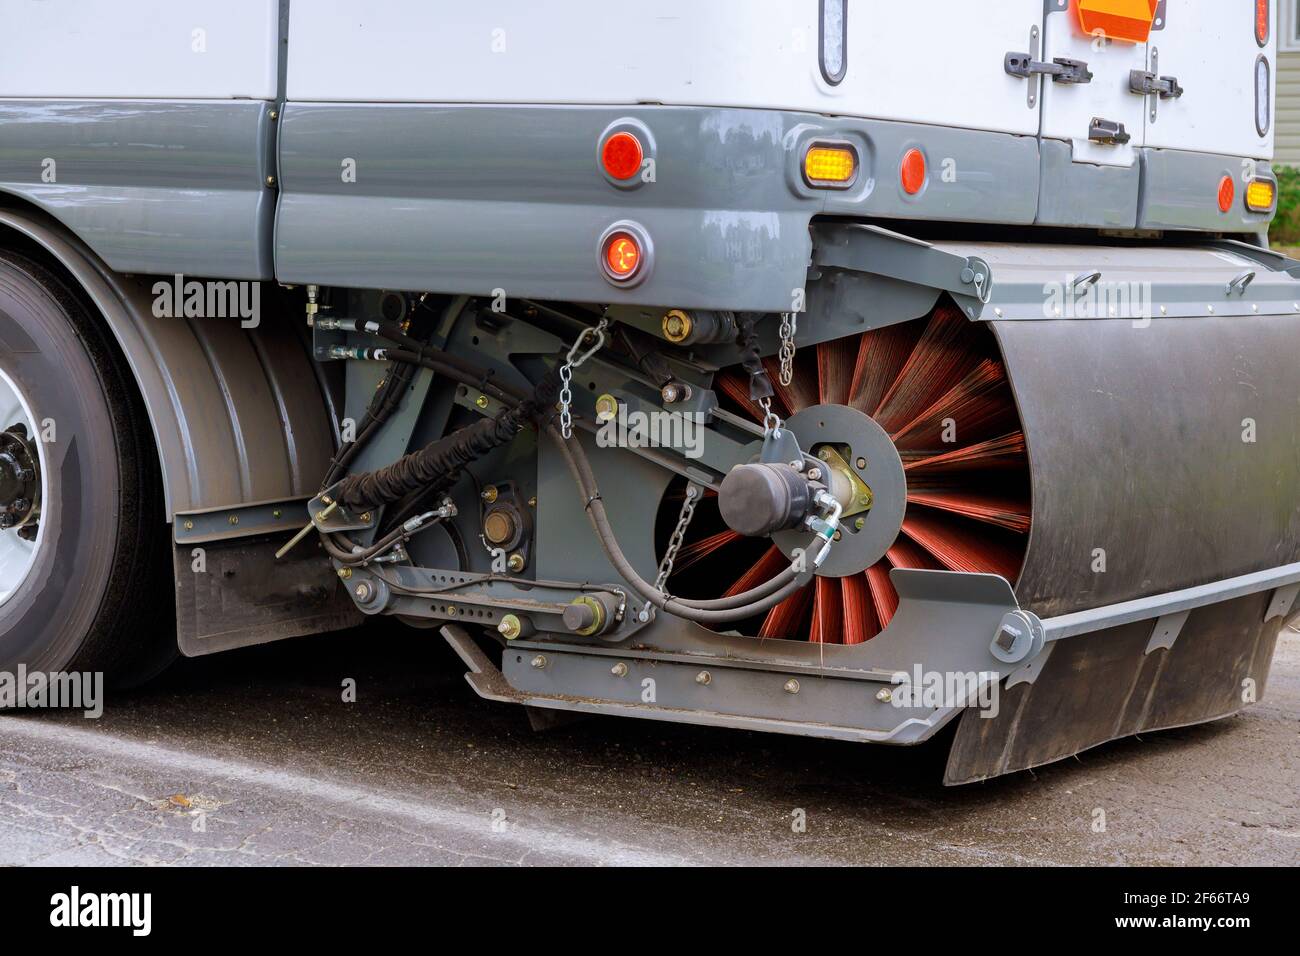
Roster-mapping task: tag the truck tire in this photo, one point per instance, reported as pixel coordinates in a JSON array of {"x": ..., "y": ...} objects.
[{"x": 88, "y": 586}]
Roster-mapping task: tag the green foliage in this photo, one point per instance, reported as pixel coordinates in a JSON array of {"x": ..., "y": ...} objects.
[{"x": 1285, "y": 230}]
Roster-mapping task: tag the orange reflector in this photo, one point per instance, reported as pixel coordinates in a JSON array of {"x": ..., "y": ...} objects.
[
  {"x": 1262, "y": 22},
  {"x": 1118, "y": 19},
  {"x": 912, "y": 172},
  {"x": 1260, "y": 195},
  {"x": 834, "y": 166},
  {"x": 621, "y": 155},
  {"x": 1227, "y": 193},
  {"x": 622, "y": 255}
]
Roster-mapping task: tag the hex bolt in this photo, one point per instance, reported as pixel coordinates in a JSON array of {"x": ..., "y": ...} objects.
[
  {"x": 233, "y": 519},
  {"x": 539, "y": 661},
  {"x": 859, "y": 524},
  {"x": 791, "y": 686},
  {"x": 363, "y": 591},
  {"x": 704, "y": 677},
  {"x": 619, "y": 669},
  {"x": 884, "y": 695},
  {"x": 189, "y": 525},
  {"x": 532, "y": 502},
  {"x": 489, "y": 494},
  {"x": 481, "y": 401},
  {"x": 365, "y": 518},
  {"x": 515, "y": 562},
  {"x": 510, "y": 627},
  {"x": 345, "y": 573}
]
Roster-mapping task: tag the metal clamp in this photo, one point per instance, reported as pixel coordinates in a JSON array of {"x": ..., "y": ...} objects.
[
  {"x": 1061, "y": 69},
  {"x": 1108, "y": 132},
  {"x": 1148, "y": 84}
]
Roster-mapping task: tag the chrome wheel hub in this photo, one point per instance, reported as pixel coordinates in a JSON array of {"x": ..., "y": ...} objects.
[{"x": 22, "y": 488}]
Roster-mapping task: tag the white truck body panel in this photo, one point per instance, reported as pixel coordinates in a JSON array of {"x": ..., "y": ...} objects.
[
  {"x": 139, "y": 49},
  {"x": 939, "y": 63},
  {"x": 1213, "y": 54}
]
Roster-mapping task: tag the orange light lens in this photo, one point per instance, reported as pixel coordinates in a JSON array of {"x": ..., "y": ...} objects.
[
  {"x": 1260, "y": 196},
  {"x": 1261, "y": 22},
  {"x": 912, "y": 172},
  {"x": 622, "y": 255},
  {"x": 1118, "y": 19},
  {"x": 830, "y": 165},
  {"x": 1227, "y": 193},
  {"x": 621, "y": 156}
]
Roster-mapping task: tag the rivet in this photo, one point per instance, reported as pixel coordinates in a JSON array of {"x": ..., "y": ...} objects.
[{"x": 270, "y": 180}]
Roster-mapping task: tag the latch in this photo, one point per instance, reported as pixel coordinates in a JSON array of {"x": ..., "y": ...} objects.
[
  {"x": 1107, "y": 132},
  {"x": 1148, "y": 84},
  {"x": 1061, "y": 69}
]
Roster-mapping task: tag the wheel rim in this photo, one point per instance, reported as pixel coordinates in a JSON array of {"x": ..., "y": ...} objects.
[{"x": 22, "y": 489}]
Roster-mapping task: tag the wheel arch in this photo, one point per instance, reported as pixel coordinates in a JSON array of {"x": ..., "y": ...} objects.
[{"x": 273, "y": 437}]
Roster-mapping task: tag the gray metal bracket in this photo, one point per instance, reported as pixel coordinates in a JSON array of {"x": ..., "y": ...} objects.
[
  {"x": 871, "y": 249},
  {"x": 242, "y": 521},
  {"x": 1166, "y": 631},
  {"x": 1282, "y": 602}
]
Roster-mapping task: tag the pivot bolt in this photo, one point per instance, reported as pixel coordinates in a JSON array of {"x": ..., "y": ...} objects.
[
  {"x": 510, "y": 627},
  {"x": 363, "y": 591}
]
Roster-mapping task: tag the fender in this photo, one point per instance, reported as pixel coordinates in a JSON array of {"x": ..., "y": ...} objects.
[{"x": 242, "y": 426}]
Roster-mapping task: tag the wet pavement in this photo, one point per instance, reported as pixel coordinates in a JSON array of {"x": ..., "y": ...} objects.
[{"x": 256, "y": 758}]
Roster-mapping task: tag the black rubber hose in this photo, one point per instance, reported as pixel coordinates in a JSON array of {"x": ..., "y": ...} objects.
[{"x": 575, "y": 457}]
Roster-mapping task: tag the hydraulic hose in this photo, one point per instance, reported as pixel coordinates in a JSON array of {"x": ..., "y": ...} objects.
[{"x": 575, "y": 457}]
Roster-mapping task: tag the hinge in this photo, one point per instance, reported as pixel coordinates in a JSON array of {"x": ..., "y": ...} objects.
[
  {"x": 1148, "y": 84},
  {"x": 1026, "y": 66},
  {"x": 1107, "y": 132},
  {"x": 1061, "y": 69}
]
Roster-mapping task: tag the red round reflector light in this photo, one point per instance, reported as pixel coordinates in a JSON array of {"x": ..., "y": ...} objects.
[
  {"x": 621, "y": 156},
  {"x": 912, "y": 172},
  {"x": 1227, "y": 193},
  {"x": 622, "y": 255}
]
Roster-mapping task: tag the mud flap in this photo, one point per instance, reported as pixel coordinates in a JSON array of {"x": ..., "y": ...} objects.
[{"x": 1114, "y": 683}]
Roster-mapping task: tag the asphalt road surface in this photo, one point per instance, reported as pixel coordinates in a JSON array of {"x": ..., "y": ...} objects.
[{"x": 255, "y": 758}]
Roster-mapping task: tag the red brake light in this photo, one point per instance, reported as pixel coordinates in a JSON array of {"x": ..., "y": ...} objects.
[
  {"x": 912, "y": 172},
  {"x": 621, "y": 155},
  {"x": 622, "y": 255},
  {"x": 1262, "y": 25},
  {"x": 1227, "y": 193}
]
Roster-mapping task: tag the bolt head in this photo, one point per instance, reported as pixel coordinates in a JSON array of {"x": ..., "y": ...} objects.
[
  {"x": 704, "y": 677},
  {"x": 861, "y": 463},
  {"x": 345, "y": 573},
  {"x": 814, "y": 474},
  {"x": 489, "y": 494},
  {"x": 859, "y": 524},
  {"x": 619, "y": 669},
  {"x": 362, "y": 591},
  {"x": 791, "y": 686},
  {"x": 606, "y": 408},
  {"x": 884, "y": 695},
  {"x": 510, "y": 627},
  {"x": 539, "y": 661},
  {"x": 515, "y": 562},
  {"x": 481, "y": 401}
]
